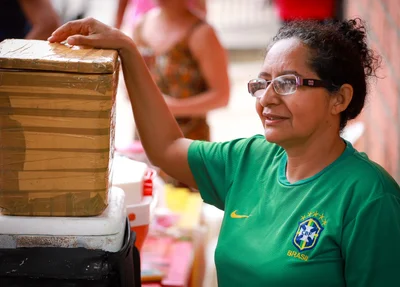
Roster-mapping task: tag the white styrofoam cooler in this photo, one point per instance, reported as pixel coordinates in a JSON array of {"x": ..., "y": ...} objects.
[
  {"x": 128, "y": 175},
  {"x": 105, "y": 231},
  {"x": 141, "y": 186},
  {"x": 133, "y": 177}
]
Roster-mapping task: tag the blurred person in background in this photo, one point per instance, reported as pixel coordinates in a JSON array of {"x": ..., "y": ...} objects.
[
  {"x": 27, "y": 19},
  {"x": 187, "y": 62},
  {"x": 320, "y": 10},
  {"x": 140, "y": 7}
]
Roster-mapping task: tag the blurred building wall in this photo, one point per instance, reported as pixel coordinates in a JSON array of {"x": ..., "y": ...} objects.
[{"x": 381, "y": 139}]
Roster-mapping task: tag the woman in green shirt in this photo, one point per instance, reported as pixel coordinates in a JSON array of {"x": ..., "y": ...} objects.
[{"x": 303, "y": 207}]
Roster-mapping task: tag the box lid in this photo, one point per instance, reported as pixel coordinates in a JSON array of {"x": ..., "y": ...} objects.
[{"x": 41, "y": 55}]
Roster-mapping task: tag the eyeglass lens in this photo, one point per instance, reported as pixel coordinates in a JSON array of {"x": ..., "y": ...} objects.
[{"x": 283, "y": 85}]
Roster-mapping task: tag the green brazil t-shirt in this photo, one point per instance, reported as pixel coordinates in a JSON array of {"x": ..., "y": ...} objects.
[{"x": 340, "y": 227}]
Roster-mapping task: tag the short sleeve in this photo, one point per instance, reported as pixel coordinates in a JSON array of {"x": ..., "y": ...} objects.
[
  {"x": 371, "y": 244},
  {"x": 214, "y": 166}
]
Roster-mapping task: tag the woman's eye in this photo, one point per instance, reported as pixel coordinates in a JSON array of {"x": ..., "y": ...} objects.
[{"x": 262, "y": 85}]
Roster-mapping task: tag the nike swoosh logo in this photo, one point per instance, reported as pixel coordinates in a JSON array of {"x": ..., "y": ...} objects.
[{"x": 235, "y": 215}]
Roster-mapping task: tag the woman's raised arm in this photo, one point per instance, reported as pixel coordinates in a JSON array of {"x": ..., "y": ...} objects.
[{"x": 160, "y": 135}]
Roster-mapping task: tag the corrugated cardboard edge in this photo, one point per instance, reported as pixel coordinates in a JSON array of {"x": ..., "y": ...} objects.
[{"x": 44, "y": 56}]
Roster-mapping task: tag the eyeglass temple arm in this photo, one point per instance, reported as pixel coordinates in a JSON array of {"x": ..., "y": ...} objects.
[{"x": 316, "y": 83}]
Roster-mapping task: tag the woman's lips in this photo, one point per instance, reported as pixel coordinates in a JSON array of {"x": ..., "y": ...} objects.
[{"x": 273, "y": 119}]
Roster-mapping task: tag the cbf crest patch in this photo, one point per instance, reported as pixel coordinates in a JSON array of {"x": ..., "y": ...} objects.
[{"x": 309, "y": 231}]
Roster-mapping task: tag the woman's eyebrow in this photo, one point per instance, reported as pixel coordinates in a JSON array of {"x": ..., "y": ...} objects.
[
  {"x": 289, "y": 72},
  {"x": 264, "y": 75},
  {"x": 286, "y": 72}
]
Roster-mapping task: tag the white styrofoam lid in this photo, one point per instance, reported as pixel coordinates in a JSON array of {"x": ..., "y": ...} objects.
[
  {"x": 126, "y": 170},
  {"x": 128, "y": 175},
  {"x": 111, "y": 221}
]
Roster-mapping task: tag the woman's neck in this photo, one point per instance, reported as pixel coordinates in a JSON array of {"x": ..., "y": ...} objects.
[{"x": 312, "y": 156}]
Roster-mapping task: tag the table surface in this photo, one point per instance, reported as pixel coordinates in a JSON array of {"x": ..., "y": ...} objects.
[{"x": 166, "y": 261}]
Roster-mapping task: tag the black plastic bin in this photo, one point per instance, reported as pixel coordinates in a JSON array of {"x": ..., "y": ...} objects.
[{"x": 71, "y": 267}]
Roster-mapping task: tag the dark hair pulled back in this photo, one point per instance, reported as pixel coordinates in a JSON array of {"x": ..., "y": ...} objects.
[{"x": 340, "y": 54}]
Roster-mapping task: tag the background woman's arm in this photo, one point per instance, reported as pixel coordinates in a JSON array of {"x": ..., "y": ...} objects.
[
  {"x": 42, "y": 17},
  {"x": 122, "y": 4}
]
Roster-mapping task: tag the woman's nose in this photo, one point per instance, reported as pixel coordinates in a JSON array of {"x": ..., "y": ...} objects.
[{"x": 270, "y": 97}]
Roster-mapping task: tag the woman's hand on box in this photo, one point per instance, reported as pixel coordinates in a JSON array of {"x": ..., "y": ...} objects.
[{"x": 90, "y": 32}]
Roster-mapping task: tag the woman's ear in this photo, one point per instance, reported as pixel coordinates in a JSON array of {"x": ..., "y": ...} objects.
[{"x": 341, "y": 99}]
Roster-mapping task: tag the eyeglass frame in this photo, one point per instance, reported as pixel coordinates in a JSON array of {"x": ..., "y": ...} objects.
[{"x": 313, "y": 83}]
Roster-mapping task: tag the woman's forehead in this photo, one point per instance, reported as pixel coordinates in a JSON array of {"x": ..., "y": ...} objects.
[{"x": 287, "y": 55}]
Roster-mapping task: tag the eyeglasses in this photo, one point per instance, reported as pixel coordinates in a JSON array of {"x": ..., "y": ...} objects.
[{"x": 284, "y": 85}]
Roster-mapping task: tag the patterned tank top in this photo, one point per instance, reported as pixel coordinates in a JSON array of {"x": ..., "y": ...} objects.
[
  {"x": 176, "y": 71},
  {"x": 177, "y": 74}
]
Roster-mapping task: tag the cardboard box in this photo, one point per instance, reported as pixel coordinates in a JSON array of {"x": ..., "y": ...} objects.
[{"x": 56, "y": 128}]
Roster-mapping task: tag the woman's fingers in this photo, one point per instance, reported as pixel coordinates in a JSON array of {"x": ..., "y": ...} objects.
[
  {"x": 89, "y": 32},
  {"x": 94, "y": 40},
  {"x": 85, "y": 26},
  {"x": 66, "y": 30},
  {"x": 80, "y": 40}
]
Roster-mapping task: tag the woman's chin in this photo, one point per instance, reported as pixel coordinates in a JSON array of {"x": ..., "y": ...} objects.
[{"x": 273, "y": 136}]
